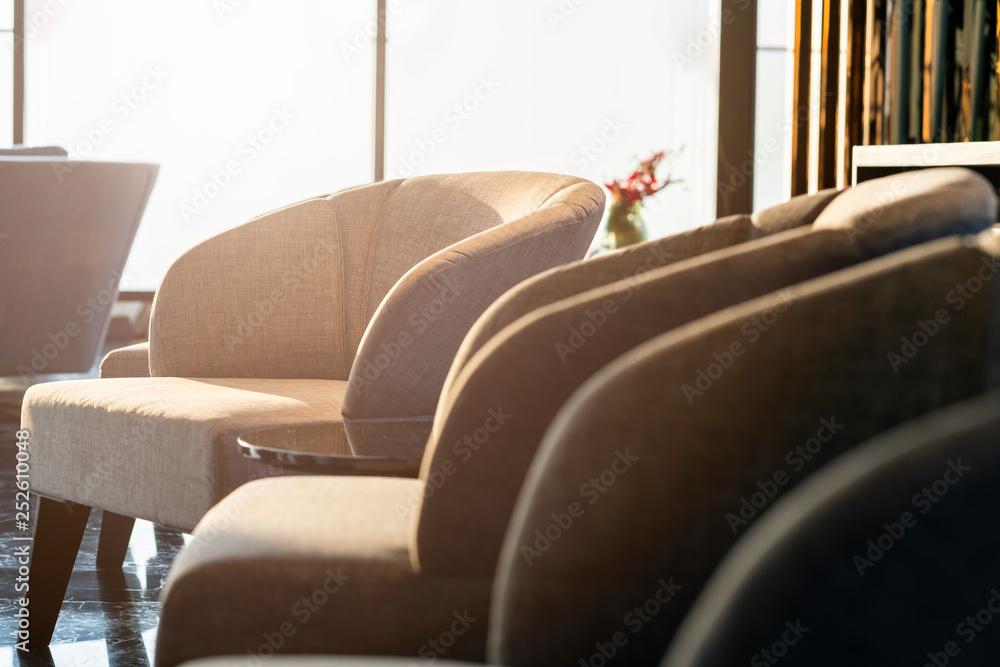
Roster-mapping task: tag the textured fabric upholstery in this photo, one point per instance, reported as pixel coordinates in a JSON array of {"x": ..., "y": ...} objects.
[
  {"x": 232, "y": 633},
  {"x": 911, "y": 200},
  {"x": 706, "y": 431},
  {"x": 571, "y": 279},
  {"x": 531, "y": 368},
  {"x": 796, "y": 212},
  {"x": 483, "y": 437},
  {"x": 887, "y": 557},
  {"x": 440, "y": 299},
  {"x": 160, "y": 449},
  {"x": 262, "y": 550},
  {"x": 286, "y": 306},
  {"x": 278, "y": 307},
  {"x": 347, "y": 251},
  {"x": 131, "y": 361}
]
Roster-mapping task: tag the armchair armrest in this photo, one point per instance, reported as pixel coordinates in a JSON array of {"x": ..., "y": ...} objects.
[
  {"x": 428, "y": 312},
  {"x": 126, "y": 362}
]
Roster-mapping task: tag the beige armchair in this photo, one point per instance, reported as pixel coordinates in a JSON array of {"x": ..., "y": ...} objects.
[
  {"x": 884, "y": 576},
  {"x": 65, "y": 232},
  {"x": 342, "y": 307}
]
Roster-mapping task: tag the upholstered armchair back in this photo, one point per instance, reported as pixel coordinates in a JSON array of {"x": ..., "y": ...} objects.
[{"x": 383, "y": 279}]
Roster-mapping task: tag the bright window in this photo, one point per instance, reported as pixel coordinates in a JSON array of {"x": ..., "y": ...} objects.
[
  {"x": 583, "y": 88},
  {"x": 775, "y": 89},
  {"x": 6, "y": 72},
  {"x": 247, "y": 106},
  {"x": 251, "y": 106},
  {"x": 6, "y": 14}
]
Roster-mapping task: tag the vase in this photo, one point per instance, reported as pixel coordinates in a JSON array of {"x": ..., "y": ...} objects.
[{"x": 624, "y": 225}]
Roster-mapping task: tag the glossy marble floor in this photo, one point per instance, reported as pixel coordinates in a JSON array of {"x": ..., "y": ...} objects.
[{"x": 109, "y": 617}]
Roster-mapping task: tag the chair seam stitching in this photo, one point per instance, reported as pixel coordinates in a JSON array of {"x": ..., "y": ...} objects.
[
  {"x": 371, "y": 257},
  {"x": 343, "y": 288}
]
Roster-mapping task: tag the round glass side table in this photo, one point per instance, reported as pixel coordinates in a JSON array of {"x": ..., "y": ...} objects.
[{"x": 327, "y": 448}]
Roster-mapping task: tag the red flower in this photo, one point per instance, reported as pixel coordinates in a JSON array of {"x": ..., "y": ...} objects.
[{"x": 641, "y": 183}]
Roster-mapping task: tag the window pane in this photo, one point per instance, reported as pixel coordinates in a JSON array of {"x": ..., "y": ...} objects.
[
  {"x": 577, "y": 88},
  {"x": 6, "y": 89},
  {"x": 774, "y": 119},
  {"x": 6, "y": 14},
  {"x": 247, "y": 106},
  {"x": 774, "y": 114},
  {"x": 776, "y": 24}
]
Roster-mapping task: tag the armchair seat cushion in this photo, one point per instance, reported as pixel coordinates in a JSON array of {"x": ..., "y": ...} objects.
[
  {"x": 160, "y": 449},
  {"x": 315, "y": 564}
]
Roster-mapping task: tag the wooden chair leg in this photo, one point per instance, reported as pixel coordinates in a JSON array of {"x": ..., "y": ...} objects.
[
  {"x": 58, "y": 531},
  {"x": 116, "y": 530}
]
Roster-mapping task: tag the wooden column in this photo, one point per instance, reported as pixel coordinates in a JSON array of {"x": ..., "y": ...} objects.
[
  {"x": 901, "y": 54},
  {"x": 737, "y": 106},
  {"x": 830, "y": 94},
  {"x": 803, "y": 81},
  {"x": 18, "y": 72},
  {"x": 857, "y": 39}
]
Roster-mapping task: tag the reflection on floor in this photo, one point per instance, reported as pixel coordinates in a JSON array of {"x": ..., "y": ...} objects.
[{"x": 109, "y": 617}]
